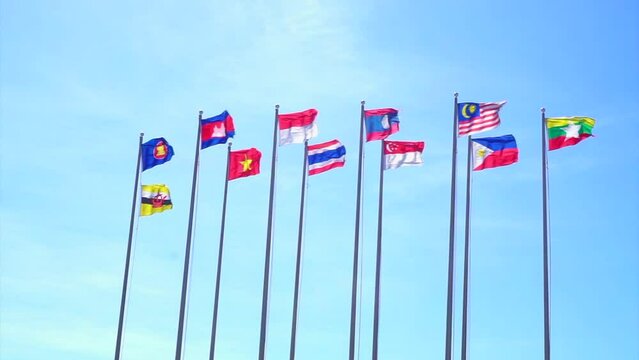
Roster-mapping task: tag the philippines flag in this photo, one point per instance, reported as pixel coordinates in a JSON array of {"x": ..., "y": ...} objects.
[
  {"x": 493, "y": 152},
  {"x": 297, "y": 127},
  {"x": 474, "y": 118},
  {"x": 325, "y": 156},
  {"x": 380, "y": 123},
  {"x": 403, "y": 153},
  {"x": 216, "y": 130}
]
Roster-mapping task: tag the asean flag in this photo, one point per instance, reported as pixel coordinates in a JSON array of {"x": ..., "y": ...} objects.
[
  {"x": 297, "y": 127},
  {"x": 216, "y": 130},
  {"x": 493, "y": 152}
]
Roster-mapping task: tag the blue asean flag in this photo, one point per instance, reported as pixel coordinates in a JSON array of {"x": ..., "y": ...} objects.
[
  {"x": 156, "y": 152},
  {"x": 380, "y": 123},
  {"x": 216, "y": 130}
]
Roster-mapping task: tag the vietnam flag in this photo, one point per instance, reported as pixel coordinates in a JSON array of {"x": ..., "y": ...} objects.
[{"x": 244, "y": 163}]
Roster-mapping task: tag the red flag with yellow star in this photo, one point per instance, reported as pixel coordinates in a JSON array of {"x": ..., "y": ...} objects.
[{"x": 244, "y": 163}]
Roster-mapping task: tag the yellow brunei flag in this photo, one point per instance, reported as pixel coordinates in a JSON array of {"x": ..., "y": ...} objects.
[{"x": 155, "y": 199}]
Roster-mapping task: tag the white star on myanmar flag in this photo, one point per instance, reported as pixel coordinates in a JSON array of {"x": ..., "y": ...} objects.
[{"x": 572, "y": 130}]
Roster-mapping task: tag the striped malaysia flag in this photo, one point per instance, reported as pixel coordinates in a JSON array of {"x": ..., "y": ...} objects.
[{"x": 474, "y": 118}]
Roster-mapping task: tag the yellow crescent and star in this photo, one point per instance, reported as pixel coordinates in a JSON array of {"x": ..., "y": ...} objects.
[
  {"x": 466, "y": 107},
  {"x": 246, "y": 163}
]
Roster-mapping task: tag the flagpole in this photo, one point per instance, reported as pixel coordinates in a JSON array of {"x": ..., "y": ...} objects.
[
  {"x": 464, "y": 337},
  {"x": 298, "y": 264},
  {"x": 544, "y": 171},
  {"x": 269, "y": 241},
  {"x": 189, "y": 235},
  {"x": 358, "y": 210},
  {"x": 219, "y": 256},
  {"x": 125, "y": 280},
  {"x": 451, "y": 243},
  {"x": 378, "y": 264}
]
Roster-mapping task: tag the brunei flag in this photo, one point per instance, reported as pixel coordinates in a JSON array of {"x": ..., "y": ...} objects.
[{"x": 155, "y": 199}]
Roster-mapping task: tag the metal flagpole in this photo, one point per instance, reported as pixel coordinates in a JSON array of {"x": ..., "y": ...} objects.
[
  {"x": 451, "y": 243},
  {"x": 358, "y": 210},
  {"x": 269, "y": 241},
  {"x": 187, "y": 255},
  {"x": 378, "y": 264},
  {"x": 298, "y": 264},
  {"x": 464, "y": 337},
  {"x": 544, "y": 171},
  {"x": 219, "y": 256},
  {"x": 125, "y": 281}
]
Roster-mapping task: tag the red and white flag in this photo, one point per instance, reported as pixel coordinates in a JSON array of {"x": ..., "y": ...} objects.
[
  {"x": 297, "y": 127},
  {"x": 403, "y": 153}
]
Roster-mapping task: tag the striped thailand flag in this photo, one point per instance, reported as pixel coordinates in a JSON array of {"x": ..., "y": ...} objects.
[
  {"x": 474, "y": 118},
  {"x": 325, "y": 156}
]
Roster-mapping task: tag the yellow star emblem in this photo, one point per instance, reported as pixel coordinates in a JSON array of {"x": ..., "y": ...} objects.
[{"x": 246, "y": 163}]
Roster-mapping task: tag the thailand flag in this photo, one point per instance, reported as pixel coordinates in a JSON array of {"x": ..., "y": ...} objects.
[
  {"x": 297, "y": 127},
  {"x": 325, "y": 156},
  {"x": 493, "y": 152},
  {"x": 403, "y": 153},
  {"x": 216, "y": 130},
  {"x": 380, "y": 123}
]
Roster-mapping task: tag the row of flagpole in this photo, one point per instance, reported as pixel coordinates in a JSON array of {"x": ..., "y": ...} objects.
[{"x": 379, "y": 124}]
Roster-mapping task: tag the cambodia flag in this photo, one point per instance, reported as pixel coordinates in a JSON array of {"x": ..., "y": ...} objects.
[
  {"x": 380, "y": 123},
  {"x": 493, "y": 152},
  {"x": 216, "y": 130},
  {"x": 297, "y": 127},
  {"x": 325, "y": 156},
  {"x": 156, "y": 152}
]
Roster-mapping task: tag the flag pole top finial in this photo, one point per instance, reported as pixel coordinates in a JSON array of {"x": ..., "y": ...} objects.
[
  {"x": 277, "y": 106},
  {"x": 201, "y": 112},
  {"x": 141, "y": 134},
  {"x": 363, "y": 102},
  {"x": 543, "y": 110},
  {"x": 456, "y": 94}
]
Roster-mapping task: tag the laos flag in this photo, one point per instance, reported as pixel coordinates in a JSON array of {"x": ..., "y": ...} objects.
[
  {"x": 380, "y": 123},
  {"x": 493, "y": 152},
  {"x": 216, "y": 130}
]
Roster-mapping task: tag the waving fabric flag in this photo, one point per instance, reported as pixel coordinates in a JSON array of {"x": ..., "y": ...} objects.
[
  {"x": 325, "y": 156},
  {"x": 156, "y": 198},
  {"x": 474, "y": 118},
  {"x": 156, "y": 152},
  {"x": 217, "y": 129},
  {"x": 297, "y": 127},
  {"x": 403, "y": 153},
  {"x": 244, "y": 163},
  {"x": 380, "y": 123},
  {"x": 493, "y": 152},
  {"x": 568, "y": 131}
]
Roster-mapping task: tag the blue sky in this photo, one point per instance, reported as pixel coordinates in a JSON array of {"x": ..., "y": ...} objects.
[{"x": 80, "y": 80}]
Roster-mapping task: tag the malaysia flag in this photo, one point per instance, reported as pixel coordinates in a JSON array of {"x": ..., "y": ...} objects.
[
  {"x": 403, "y": 153},
  {"x": 297, "y": 127},
  {"x": 381, "y": 123},
  {"x": 493, "y": 152},
  {"x": 474, "y": 118},
  {"x": 325, "y": 156},
  {"x": 216, "y": 130}
]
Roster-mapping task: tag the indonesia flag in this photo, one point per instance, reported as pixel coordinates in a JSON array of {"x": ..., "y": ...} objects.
[
  {"x": 474, "y": 118},
  {"x": 403, "y": 153},
  {"x": 493, "y": 152},
  {"x": 297, "y": 127},
  {"x": 325, "y": 156}
]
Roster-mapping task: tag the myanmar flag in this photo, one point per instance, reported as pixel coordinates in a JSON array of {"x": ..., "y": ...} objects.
[
  {"x": 155, "y": 199},
  {"x": 568, "y": 131}
]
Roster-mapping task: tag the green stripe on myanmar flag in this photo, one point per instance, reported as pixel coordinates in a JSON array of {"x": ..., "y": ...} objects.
[{"x": 568, "y": 131}]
